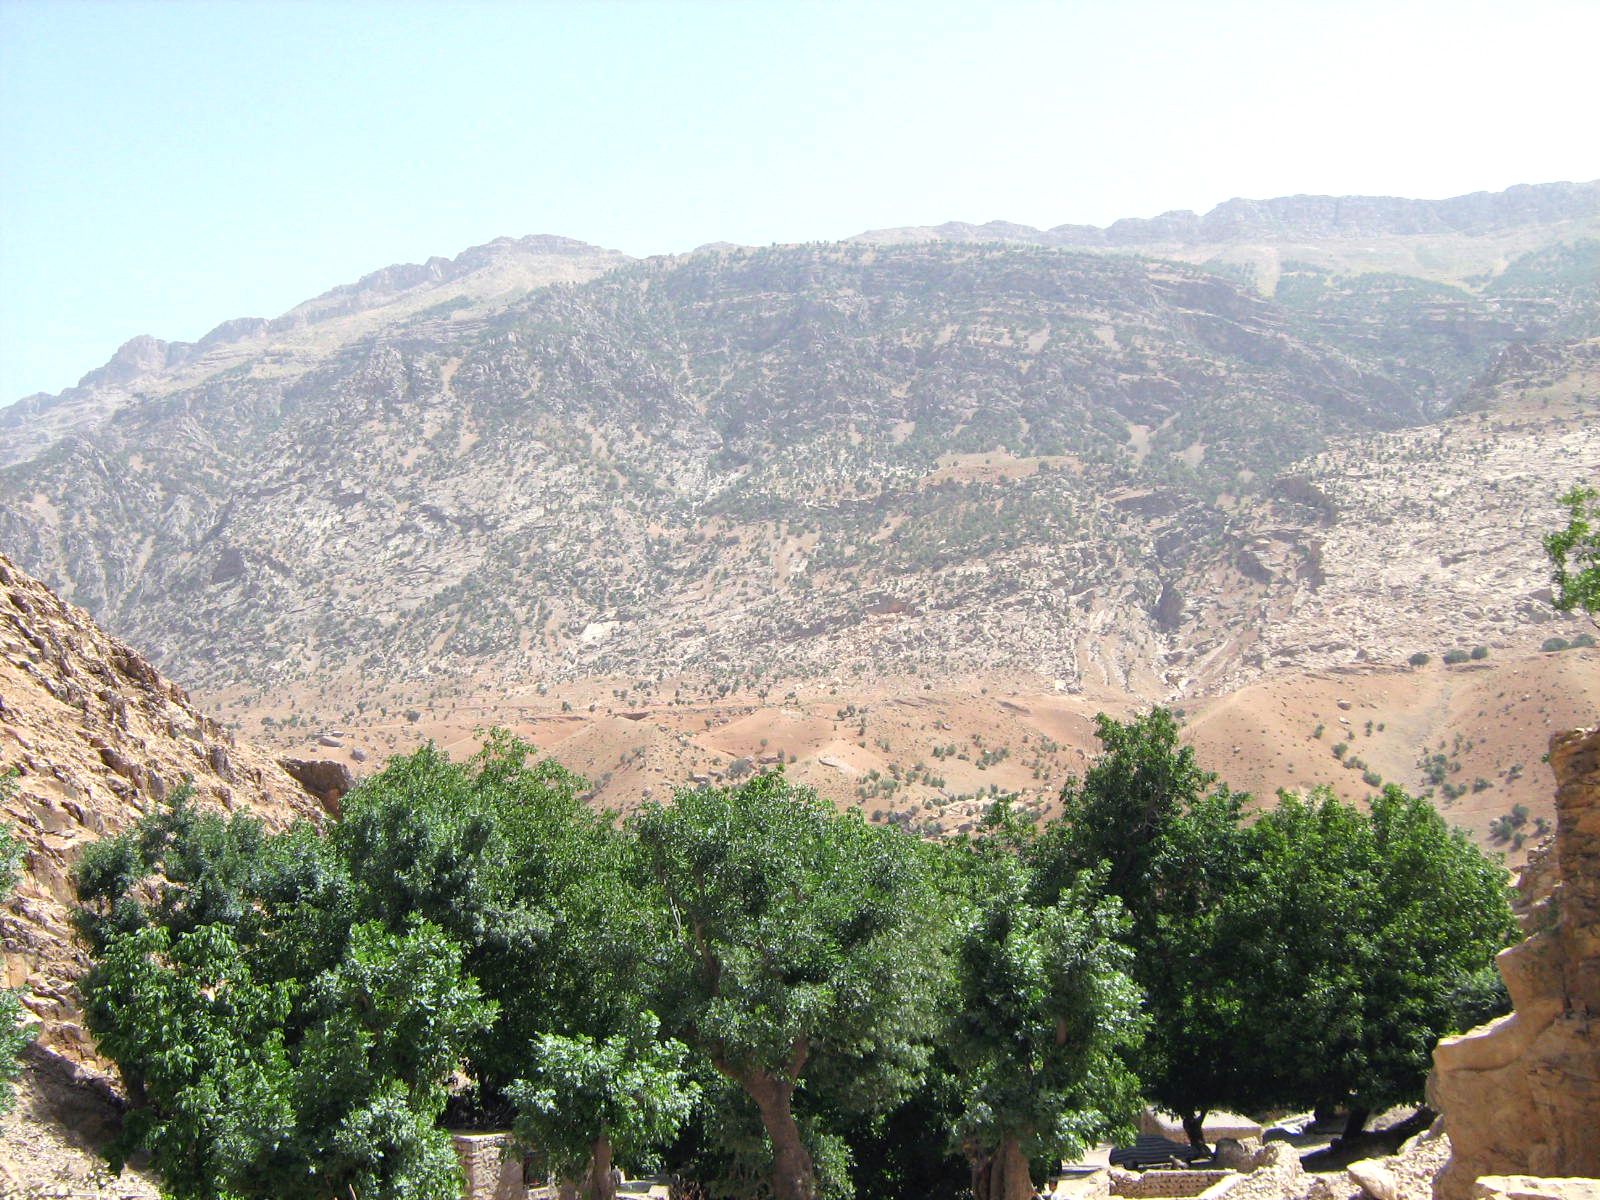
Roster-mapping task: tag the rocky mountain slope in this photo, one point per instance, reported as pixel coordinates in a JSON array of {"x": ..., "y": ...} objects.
[
  {"x": 457, "y": 291},
  {"x": 739, "y": 465},
  {"x": 95, "y": 737}
]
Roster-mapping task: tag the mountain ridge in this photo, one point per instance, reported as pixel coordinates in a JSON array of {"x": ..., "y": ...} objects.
[
  {"x": 146, "y": 364},
  {"x": 1302, "y": 215}
]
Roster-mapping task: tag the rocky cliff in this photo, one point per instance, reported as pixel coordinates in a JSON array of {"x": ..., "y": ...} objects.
[
  {"x": 96, "y": 737},
  {"x": 1522, "y": 1094},
  {"x": 1302, "y": 217}
]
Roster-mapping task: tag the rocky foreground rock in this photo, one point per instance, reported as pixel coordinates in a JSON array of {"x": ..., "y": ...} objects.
[
  {"x": 96, "y": 738},
  {"x": 1521, "y": 1096}
]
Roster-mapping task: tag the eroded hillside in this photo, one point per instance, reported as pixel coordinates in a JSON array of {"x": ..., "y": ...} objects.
[{"x": 791, "y": 463}]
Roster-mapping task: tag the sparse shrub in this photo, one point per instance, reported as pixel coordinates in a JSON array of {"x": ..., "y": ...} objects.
[
  {"x": 1420, "y": 659},
  {"x": 1479, "y": 653},
  {"x": 1554, "y": 645},
  {"x": 1452, "y": 657}
]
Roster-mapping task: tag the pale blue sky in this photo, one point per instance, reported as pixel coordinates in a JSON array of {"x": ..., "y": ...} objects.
[{"x": 164, "y": 167}]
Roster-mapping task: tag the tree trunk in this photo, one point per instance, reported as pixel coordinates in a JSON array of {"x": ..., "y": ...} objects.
[
  {"x": 1011, "y": 1180},
  {"x": 792, "y": 1175},
  {"x": 982, "y": 1172},
  {"x": 1194, "y": 1128},
  {"x": 1356, "y": 1121},
  {"x": 599, "y": 1185}
]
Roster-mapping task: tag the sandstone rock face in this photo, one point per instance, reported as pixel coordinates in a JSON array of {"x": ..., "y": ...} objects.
[
  {"x": 1522, "y": 1094},
  {"x": 98, "y": 738},
  {"x": 323, "y": 778}
]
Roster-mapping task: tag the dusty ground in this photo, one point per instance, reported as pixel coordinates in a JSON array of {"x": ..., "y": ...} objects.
[
  {"x": 933, "y": 755},
  {"x": 51, "y": 1141}
]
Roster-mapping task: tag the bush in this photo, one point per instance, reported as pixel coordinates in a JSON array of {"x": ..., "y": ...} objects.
[
  {"x": 12, "y": 1036},
  {"x": 1452, "y": 657},
  {"x": 1479, "y": 653},
  {"x": 1554, "y": 645},
  {"x": 1584, "y": 641},
  {"x": 1420, "y": 659}
]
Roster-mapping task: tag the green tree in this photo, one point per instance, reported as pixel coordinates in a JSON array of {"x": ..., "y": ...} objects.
[
  {"x": 797, "y": 953},
  {"x": 270, "y": 1046},
  {"x": 1044, "y": 1014},
  {"x": 584, "y": 1102},
  {"x": 503, "y": 852},
  {"x": 1358, "y": 933},
  {"x": 1158, "y": 833},
  {"x": 1574, "y": 553}
]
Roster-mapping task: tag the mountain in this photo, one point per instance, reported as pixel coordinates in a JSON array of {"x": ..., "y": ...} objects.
[
  {"x": 1479, "y": 214},
  {"x": 454, "y": 290},
  {"x": 97, "y": 737},
  {"x": 889, "y": 467},
  {"x": 1461, "y": 240}
]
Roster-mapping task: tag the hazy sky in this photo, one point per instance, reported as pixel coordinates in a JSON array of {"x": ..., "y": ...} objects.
[{"x": 166, "y": 166}]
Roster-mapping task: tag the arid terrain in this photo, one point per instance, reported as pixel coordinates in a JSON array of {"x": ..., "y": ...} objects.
[
  {"x": 903, "y": 512},
  {"x": 900, "y": 515}
]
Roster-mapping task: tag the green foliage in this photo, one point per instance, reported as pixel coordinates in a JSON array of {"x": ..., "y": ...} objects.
[
  {"x": 293, "y": 1012},
  {"x": 800, "y": 959},
  {"x": 274, "y": 1045},
  {"x": 1161, "y": 835},
  {"x": 1352, "y": 929},
  {"x": 1045, "y": 1011},
  {"x": 13, "y": 1037},
  {"x": 1574, "y": 553},
  {"x": 254, "y": 1073},
  {"x": 630, "y": 1089},
  {"x": 1476, "y": 998},
  {"x": 1420, "y": 659}
]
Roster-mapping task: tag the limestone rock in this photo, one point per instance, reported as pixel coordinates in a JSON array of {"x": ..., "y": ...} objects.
[
  {"x": 1373, "y": 1178},
  {"x": 323, "y": 778},
  {"x": 1522, "y": 1094},
  {"x": 1531, "y": 1187}
]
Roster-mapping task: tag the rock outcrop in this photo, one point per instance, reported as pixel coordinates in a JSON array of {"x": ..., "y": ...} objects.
[
  {"x": 1521, "y": 1095},
  {"x": 323, "y": 778},
  {"x": 96, "y": 738}
]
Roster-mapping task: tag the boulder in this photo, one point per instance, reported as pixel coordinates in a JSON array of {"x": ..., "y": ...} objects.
[
  {"x": 1374, "y": 1178},
  {"x": 323, "y": 778},
  {"x": 1521, "y": 1095}
]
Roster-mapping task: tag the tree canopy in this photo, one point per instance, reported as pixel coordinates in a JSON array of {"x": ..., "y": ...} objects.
[
  {"x": 1574, "y": 553},
  {"x": 799, "y": 952},
  {"x": 780, "y": 999}
]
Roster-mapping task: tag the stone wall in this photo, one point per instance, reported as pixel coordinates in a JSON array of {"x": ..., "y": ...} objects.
[
  {"x": 492, "y": 1173},
  {"x": 1151, "y": 1184},
  {"x": 1521, "y": 1095}
]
